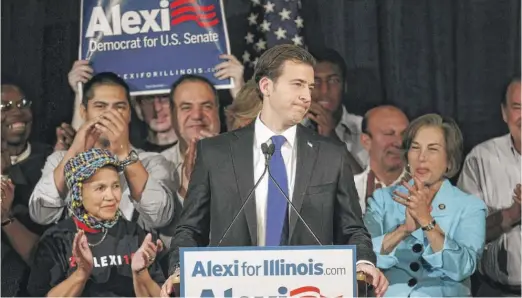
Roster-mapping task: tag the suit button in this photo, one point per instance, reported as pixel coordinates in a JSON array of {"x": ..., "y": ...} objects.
[
  {"x": 412, "y": 282},
  {"x": 417, "y": 248},
  {"x": 414, "y": 266}
]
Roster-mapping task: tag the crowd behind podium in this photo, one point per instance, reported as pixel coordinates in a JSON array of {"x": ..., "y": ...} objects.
[{"x": 93, "y": 213}]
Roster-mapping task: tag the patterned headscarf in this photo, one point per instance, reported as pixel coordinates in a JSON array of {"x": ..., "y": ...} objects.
[{"x": 80, "y": 168}]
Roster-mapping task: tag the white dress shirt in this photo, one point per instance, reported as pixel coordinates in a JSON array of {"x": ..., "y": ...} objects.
[
  {"x": 288, "y": 151},
  {"x": 349, "y": 131},
  {"x": 491, "y": 172},
  {"x": 361, "y": 184}
]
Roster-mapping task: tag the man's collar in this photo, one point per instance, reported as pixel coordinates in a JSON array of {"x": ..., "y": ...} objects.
[
  {"x": 512, "y": 145},
  {"x": 23, "y": 156},
  {"x": 347, "y": 123},
  {"x": 263, "y": 133}
]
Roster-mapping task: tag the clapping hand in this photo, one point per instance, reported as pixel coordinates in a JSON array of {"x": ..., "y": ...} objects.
[
  {"x": 146, "y": 254},
  {"x": 116, "y": 129},
  {"x": 7, "y": 198},
  {"x": 82, "y": 254},
  {"x": 417, "y": 202},
  {"x": 324, "y": 119},
  {"x": 65, "y": 134}
]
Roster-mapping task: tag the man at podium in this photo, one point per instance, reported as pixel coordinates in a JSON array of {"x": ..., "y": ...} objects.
[{"x": 233, "y": 200}]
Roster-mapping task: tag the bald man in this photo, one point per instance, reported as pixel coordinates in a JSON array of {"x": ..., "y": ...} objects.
[{"x": 382, "y": 129}]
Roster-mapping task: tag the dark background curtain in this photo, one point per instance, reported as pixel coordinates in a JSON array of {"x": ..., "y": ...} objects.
[{"x": 445, "y": 56}]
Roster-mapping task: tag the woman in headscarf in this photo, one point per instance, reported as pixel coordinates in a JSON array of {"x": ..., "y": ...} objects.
[{"x": 96, "y": 252}]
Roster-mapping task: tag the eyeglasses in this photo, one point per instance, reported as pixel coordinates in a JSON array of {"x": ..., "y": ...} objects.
[
  {"x": 149, "y": 100},
  {"x": 22, "y": 104}
]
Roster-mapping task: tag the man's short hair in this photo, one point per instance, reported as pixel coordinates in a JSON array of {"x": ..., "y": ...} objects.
[
  {"x": 191, "y": 78},
  {"x": 515, "y": 79},
  {"x": 331, "y": 56},
  {"x": 103, "y": 79},
  {"x": 270, "y": 64}
]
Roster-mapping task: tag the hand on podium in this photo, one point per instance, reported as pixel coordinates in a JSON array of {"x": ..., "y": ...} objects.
[
  {"x": 370, "y": 276},
  {"x": 171, "y": 286}
]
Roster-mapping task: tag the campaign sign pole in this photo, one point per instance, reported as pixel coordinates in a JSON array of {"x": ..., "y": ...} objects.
[
  {"x": 152, "y": 43},
  {"x": 312, "y": 271}
]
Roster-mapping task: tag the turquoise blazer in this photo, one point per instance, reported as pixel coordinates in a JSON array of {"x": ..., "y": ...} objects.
[{"x": 412, "y": 268}]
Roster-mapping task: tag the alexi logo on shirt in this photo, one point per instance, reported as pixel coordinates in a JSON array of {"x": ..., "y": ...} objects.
[{"x": 106, "y": 261}]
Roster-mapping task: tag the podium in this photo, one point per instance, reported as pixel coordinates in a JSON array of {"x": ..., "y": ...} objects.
[{"x": 288, "y": 271}]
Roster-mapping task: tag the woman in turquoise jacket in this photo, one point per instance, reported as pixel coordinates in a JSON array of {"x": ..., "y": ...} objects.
[{"x": 427, "y": 234}]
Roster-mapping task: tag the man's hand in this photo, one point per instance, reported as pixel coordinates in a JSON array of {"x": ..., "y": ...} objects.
[
  {"x": 190, "y": 159},
  {"x": 231, "y": 68},
  {"x": 6, "y": 159},
  {"x": 379, "y": 281},
  {"x": 187, "y": 167},
  {"x": 116, "y": 129},
  {"x": 323, "y": 118},
  {"x": 64, "y": 137},
  {"x": 7, "y": 198},
  {"x": 82, "y": 255},
  {"x": 86, "y": 137},
  {"x": 168, "y": 286},
  {"x": 514, "y": 211},
  {"x": 146, "y": 254},
  {"x": 81, "y": 72}
]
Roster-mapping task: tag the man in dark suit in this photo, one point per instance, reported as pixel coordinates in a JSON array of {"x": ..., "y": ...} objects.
[{"x": 312, "y": 170}]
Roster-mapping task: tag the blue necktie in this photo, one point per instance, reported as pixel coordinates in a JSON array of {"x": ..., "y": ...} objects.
[{"x": 276, "y": 204}]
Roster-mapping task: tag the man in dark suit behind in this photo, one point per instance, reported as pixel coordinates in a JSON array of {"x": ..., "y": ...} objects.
[{"x": 313, "y": 169}]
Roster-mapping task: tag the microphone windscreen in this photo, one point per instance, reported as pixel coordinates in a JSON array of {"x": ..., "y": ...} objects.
[
  {"x": 271, "y": 149},
  {"x": 264, "y": 148}
]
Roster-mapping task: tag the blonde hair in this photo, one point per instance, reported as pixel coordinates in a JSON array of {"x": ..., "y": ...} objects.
[{"x": 245, "y": 106}]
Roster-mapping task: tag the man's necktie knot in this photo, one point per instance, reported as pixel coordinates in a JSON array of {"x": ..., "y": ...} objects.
[{"x": 278, "y": 142}]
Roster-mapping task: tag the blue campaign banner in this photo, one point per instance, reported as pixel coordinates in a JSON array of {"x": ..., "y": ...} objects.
[{"x": 151, "y": 43}]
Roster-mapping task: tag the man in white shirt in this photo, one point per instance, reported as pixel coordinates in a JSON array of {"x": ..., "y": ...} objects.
[
  {"x": 330, "y": 117},
  {"x": 382, "y": 137},
  {"x": 492, "y": 172},
  {"x": 195, "y": 116},
  {"x": 313, "y": 172}
]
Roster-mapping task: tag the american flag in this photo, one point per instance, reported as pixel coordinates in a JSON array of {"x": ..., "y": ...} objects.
[{"x": 270, "y": 23}]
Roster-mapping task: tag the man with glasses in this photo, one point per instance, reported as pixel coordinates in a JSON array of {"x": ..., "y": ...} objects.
[
  {"x": 22, "y": 162},
  {"x": 154, "y": 110}
]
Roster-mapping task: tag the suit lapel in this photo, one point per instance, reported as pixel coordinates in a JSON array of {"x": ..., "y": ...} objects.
[
  {"x": 307, "y": 150},
  {"x": 243, "y": 162}
]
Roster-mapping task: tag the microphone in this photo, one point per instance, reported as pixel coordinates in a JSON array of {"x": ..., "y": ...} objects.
[
  {"x": 265, "y": 150},
  {"x": 269, "y": 154}
]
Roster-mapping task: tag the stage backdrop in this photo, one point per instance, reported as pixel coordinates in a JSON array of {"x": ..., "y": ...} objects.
[{"x": 445, "y": 56}]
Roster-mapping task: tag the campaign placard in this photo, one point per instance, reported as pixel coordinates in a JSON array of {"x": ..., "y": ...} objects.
[
  {"x": 151, "y": 43},
  {"x": 292, "y": 271}
]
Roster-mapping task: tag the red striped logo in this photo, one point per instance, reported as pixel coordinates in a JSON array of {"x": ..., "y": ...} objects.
[{"x": 182, "y": 11}]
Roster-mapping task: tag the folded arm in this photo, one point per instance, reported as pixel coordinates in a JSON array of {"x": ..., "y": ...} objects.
[{"x": 149, "y": 189}]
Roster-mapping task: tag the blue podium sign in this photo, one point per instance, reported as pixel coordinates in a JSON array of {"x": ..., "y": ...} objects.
[
  {"x": 151, "y": 43},
  {"x": 311, "y": 271}
]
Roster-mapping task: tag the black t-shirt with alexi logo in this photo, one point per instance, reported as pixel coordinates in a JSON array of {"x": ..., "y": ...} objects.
[{"x": 111, "y": 276}]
